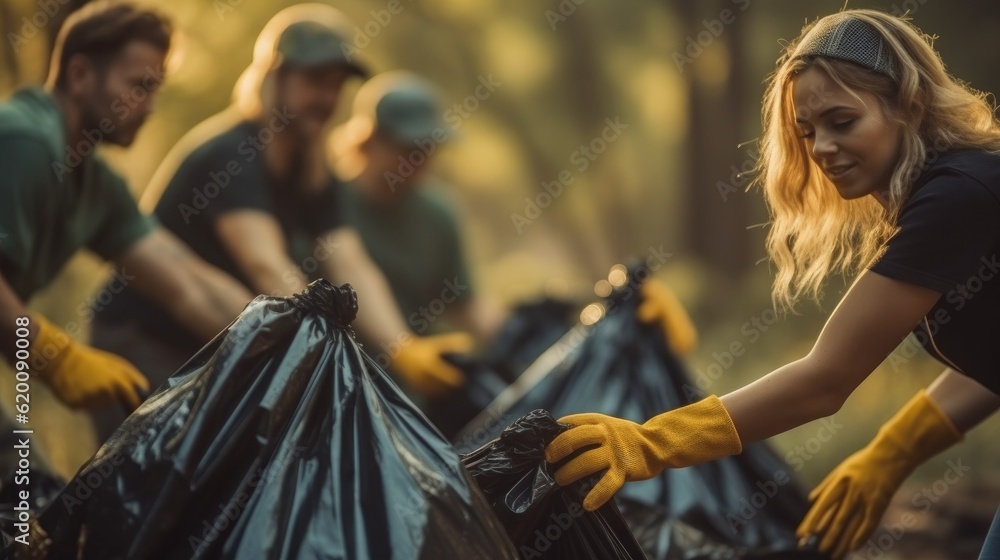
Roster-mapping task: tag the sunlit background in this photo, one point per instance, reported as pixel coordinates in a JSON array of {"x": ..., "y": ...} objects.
[{"x": 674, "y": 90}]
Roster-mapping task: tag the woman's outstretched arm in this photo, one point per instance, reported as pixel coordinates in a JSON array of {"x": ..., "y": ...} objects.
[{"x": 873, "y": 318}]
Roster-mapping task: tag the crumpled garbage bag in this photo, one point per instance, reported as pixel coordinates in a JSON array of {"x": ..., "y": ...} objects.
[
  {"x": 279, "y": 440},
  {"x": 544, "y": 520},
  {"x": 623, "y": 368}
]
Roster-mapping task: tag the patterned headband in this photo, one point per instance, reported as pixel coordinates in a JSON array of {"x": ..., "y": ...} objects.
[{"x": 855, "y": 41}]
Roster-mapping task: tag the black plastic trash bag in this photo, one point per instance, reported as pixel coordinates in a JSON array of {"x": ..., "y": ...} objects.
[
  {"x": 451, "y": 412},
  {"x": 623, "y": 368},
  {"x": 531, "y": 328},
  {"x": 665, "y": 538},
  {"x": 544, "y": 520},
  {"x": 279, "y": 440}
]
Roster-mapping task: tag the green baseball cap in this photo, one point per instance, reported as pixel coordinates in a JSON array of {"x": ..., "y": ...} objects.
[
  {"x": 403, "y": 106},
  {"x": 309, "y": 44}
]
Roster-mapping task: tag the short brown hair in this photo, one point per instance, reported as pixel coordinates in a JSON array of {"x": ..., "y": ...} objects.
[{"x": 101, "y": 30}]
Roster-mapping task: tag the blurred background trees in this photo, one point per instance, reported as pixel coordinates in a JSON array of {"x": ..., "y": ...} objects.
[{"x": 683, "y": 79}]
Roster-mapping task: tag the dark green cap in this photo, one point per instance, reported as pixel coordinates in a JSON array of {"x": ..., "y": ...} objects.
[
  {"x": 403, "y": 106},
  {"x": 309, "y": 44}
]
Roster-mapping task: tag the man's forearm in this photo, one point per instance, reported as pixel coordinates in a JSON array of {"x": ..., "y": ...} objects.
[
  {"x": 203, "y": 318},
  {"x": 280, "y": 279},
  {"x": 379, "y": 318},
  {"x": 228, "y": 293},
  {"x": 200, "y": 297},
  {"x": 220, "y": 299}
]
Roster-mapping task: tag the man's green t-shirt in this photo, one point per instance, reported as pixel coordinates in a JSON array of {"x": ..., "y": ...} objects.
[
  {"x": 227, "y": 173},
  {"x": 54, "y": 198},
  {"x": 415, "y": 242},
  {"x": 222, "y": 170}
]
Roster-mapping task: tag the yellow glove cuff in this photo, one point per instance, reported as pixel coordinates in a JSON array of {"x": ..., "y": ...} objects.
[
  {"x": 919, "y": 431},
  {"x": 694, "y": 434}
]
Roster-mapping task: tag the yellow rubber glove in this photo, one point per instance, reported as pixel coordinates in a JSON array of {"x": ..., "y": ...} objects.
[
  {"x": 81, "y": 376},
  {"x": 683, "y": 437},
  {"x": 660, "y": 305},
  {"x": 420, "y": 365},
  {"x": 850, "y": 502}
]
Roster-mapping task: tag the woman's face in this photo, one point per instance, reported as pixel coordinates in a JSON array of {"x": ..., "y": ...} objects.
[{"x": 855, "y": 144}]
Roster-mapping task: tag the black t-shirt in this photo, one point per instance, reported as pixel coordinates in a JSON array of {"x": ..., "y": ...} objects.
[
  {"x": 223, "y": 174},
  {"x": 227, "y": 173},
  {"x": 949, "y": 241}
]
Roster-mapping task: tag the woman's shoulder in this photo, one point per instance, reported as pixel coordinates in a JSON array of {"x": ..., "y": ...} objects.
[
  {"x": 971, "y": 175},
  {"x": 973, "y": 162}
]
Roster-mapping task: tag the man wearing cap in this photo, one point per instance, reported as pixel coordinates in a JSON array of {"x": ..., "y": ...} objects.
[
  {"x": 57, "y": 196},
  {"x": 249, "y": 191},
  {"x": 401, "y": 213},
  {"x": 385, "y": 150}
]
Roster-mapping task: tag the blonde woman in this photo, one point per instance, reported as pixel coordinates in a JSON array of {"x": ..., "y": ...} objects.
[{"x": 875, "y": 163}]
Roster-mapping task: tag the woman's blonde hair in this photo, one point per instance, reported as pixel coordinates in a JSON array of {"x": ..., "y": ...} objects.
[{"x": 813, "y": 231}]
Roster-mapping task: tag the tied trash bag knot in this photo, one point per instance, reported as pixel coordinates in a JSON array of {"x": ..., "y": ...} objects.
[{"x": 339, "y": 304}]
